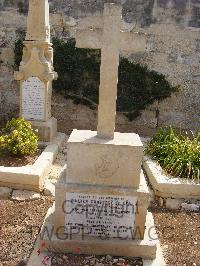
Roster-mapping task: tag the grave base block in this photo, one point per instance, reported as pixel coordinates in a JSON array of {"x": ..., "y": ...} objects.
[
  {"x": 63, "y": 208},
  {"x": 47, "y": 131},
  {"x": 110, "y": 162},
  {"x": 145, "y": 248}
]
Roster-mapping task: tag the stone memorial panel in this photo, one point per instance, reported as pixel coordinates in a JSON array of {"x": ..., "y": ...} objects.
[
  {"x": 104, "y": 216},
  {"x": 33, "y": 99}
]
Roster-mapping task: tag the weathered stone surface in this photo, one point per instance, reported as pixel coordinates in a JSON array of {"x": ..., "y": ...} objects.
[
  {"x": 92, "y": 160},
  {"x": 173, "y": 204},
  {"x": 25, "y": 195},
  {"x": 190, "y": 207},
  {"x": 7, "y": 56},
  {"x": 161, "y": 201},
  {"x": 64, "y": 187},
  {"x": 111, "y": 40},
  {"x": 36, "y": 71},
  {"x": 47, "y": 130},
  {"x": 38, "y": 28},
  {"x": 166, "y": 186},
  {"x": 5, "y": 192},
  {"x": 145, "y": 248},
  {"x": 49, "y": 188}
]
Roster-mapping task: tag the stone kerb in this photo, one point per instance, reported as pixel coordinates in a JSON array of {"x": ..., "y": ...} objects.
[
  {"x": 168, "y": 187},
  {"x": 31, "y": 177}
]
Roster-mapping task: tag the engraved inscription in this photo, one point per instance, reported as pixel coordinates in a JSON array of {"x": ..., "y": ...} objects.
[
  {"x": 100, "y": 215},
  {"x": 33, "y": 99}
]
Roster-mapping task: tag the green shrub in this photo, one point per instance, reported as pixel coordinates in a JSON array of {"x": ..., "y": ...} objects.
[
  {"x": 178, "y": 154},
  {"x": 79, "y": 77},
  {"x": 18, "y": 53},
  {"x": 23, "y": 7},
  {"x": 18, "y": 138}
]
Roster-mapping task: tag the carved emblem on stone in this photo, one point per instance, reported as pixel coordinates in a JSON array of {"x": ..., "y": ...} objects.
[{"x": 107, "y": 166}]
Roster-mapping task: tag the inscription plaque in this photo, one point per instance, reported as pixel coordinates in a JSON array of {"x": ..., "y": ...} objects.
[
  {"x": 104, "y": 216},
  {"x": 33, "y": 99}
]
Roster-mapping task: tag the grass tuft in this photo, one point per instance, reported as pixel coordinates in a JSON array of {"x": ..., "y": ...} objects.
[{"x": 178, "y": 154}]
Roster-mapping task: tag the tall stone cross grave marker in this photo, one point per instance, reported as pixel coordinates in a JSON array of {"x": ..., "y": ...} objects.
[
  {"x": 102, "y": 198},
  {"x": 111, "y": 40},
  {"x": 36, "y": 72}
]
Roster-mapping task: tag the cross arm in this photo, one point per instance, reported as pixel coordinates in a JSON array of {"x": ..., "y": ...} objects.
[
  {"x": 132, "y": 42},
  {"x": 89, "y": 38}
]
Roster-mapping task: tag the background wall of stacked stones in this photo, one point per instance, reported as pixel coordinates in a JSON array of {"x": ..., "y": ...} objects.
[{"x": 173, "y": 48}]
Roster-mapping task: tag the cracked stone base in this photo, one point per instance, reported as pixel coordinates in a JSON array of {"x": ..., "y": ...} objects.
[{"x": 61, "y": 243}]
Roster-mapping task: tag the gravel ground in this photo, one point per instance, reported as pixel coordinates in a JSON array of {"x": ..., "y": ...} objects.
[
  {"x": 179, "y": 234},
  {"x": 80, "y": 260},
  {"x": 59, "y": 164},
  {"x": 19, "y": 225}
]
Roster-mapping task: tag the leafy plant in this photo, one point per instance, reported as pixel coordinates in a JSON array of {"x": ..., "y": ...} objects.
[
  {"x": 178, "y": 154},
  {"x": 23, "y": 7},
  {"x": 18, "y": 53},
  {"x": 139, "y": 87},
  {"x": 18, "y": 138},
  {"x": 78, "y": 70}
]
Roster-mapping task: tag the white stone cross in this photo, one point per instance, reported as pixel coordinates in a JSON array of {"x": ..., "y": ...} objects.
[{"x": 111, "y": 40}]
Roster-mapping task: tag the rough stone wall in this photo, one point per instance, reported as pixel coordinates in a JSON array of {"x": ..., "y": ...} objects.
[{"x": 173, "y": 48}]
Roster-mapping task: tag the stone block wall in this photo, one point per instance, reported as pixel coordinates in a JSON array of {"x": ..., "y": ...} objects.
[{"x": 173, "y": 48}]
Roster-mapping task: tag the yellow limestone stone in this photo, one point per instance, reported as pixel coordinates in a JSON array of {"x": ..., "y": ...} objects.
[
  {"x": 36, "y": 72},
  {"x": 38, "y": 28},
  {"x": 111, "y": 41},
  {"x": 103, "y": 173}
]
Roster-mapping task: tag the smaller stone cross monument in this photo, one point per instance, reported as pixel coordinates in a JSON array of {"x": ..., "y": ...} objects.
[
  {"x": 36, "y": 72},
  {"x": 101, "y": 202},
  {"x": 111, "y": 40}
]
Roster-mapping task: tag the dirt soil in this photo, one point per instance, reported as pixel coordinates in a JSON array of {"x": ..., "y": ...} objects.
[
  {"x": 179, "y": 233},
  {"x": 20, "y": 223},
  {"x": 10, "y": 160}
]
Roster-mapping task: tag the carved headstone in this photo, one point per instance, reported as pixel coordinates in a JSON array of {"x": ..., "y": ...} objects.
[{"x": 36, "y": 72}]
